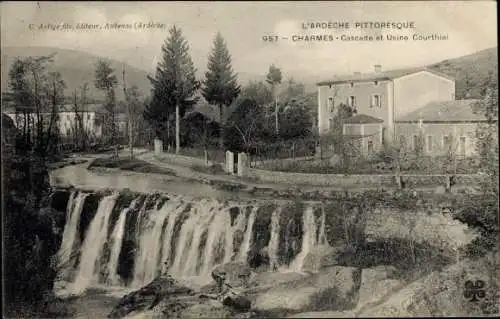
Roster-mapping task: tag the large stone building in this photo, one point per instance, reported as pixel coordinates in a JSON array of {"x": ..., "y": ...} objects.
[
  {"x": 415, "y": 107},
  {"x": 383, "y": 95}
]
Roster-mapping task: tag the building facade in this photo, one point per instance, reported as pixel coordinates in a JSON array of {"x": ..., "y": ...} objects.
[
  {"x": 441, "y": 128},
  {"x": 383, "y": 96}
]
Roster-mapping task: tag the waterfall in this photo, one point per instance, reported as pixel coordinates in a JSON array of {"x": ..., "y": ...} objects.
[
  {"x": 74, "y": 210},
  {"x": 221, "y": 223},
  {"x": 116, "y": 239},
  {"x": 186, "y": 237},
  {"x": 275, "y": 237},
  {"x": 148, "y": 257},
  {"x": 94, "y": 241},
  {"x": 308, "y": 239},
  {"x": 245, "y": 246}
]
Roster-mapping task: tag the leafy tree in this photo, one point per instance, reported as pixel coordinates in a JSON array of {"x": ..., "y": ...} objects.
[
  {"x": 245, "y": 125},
  {"x": 274, "y": 78},
  {"x": 174, "y": 87},
  {"x": 220, "y": 86},
  {"x": 106, "y": 80},
  {"x": 258, "y": 92}
]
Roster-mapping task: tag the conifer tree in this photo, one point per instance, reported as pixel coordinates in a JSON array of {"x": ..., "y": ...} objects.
[
  {"x": 174, "y": 86},
  {"x": 220, "y": 87}
]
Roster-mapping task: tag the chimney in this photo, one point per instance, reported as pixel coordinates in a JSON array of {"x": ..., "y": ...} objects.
[{"x": 377, "y": 68}]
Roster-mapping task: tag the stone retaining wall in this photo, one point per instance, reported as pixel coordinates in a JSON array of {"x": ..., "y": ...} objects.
[{"x": 340, "y": 180}]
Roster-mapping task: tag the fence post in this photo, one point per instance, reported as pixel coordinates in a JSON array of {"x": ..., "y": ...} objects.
[
  {"x": 158, "y": 146},
  {"x": 448, "y": 183},
  {"x": 242, "y": 164},
  {"x": 229, "y": 162}
]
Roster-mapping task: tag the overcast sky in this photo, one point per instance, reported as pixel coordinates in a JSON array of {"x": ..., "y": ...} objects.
[{"x": 470, "y": 26}]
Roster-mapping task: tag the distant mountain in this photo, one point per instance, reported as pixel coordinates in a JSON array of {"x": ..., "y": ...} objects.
[
  {"x": 470, "y": 72},
  {"x": 76, "y": 68}
]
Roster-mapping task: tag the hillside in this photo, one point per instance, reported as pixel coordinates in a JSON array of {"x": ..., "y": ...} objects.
[
  {"x": 470, "y": 71},
  {"x": 76, "y": 68}
]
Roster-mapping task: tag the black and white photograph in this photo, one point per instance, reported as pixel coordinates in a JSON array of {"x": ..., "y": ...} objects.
[{"x": 264, "y": 159}]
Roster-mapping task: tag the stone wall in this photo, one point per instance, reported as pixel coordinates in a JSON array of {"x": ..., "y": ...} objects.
[{"x": 367, "y": 180}]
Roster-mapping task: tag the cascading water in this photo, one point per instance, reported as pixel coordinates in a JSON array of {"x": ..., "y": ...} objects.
[
  {"x": 74, "y": 210},
  {"x": 130, "y": 246},
  {"x": 116, "y": 239},
  {"x": 93, "y": 244},
  {"x": 275, "y": 237},
  {"x": 308, "y": 239}
]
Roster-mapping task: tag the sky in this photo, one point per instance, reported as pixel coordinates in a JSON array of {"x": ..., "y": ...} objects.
[{"x": 470, "y": 27}]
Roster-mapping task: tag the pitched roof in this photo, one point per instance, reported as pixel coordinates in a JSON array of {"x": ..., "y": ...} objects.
[
  {"x": 362, "y": 119},
  {"x": 380, "y": 76},
  {"x": 445, "y": 111}
]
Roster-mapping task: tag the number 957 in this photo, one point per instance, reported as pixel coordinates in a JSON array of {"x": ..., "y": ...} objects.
[{"x": 270, "y": 38}]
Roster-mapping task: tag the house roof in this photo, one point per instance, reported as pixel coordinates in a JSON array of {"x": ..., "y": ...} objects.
[
  {"x": 362, "y": 119},
  {"x": 380, "y": 76},
  {"x": 445, "y": 111}
]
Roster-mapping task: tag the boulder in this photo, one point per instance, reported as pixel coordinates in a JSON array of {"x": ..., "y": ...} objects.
[
  {"x": 235, "y": 273},
  {"x": 149, "y": 296},
  {"x": 332, "y": 288},
  {"x": 322, "y": 256}
]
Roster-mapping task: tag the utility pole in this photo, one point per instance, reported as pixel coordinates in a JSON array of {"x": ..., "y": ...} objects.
[{"x": 129, "y": 115}]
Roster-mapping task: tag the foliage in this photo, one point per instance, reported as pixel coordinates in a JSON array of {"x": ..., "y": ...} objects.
[
  {"x": 199, "y": 130},
  {"x": 273, "y": 78},
  {"x": 245, "y": 125},
  {"x": 258, "y": 92},
  {"x": 220, "y": 87},
  {"x": 37, "y": 92},
  {"x": 106, "y": 80},
  {"x": 174, "y": 85}
]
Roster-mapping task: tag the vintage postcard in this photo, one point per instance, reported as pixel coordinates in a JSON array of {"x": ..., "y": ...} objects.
[{"x": 295, "y": 159}]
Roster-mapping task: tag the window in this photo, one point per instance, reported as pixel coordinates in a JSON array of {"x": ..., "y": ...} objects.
[
  {"x": 351, "y": 101},
  {"x": 461, "y": 146},
  {"x": 370, "y": 147},
  {"x": 429, "y": 143},
  {"x": 352, "y": 84},
  {"x": 330, "y": 104},
  {"x": 375, "y": 102},
  {"x": 376, "y": 83},
  {"x": 446, "y": 142},
  {"x": 67, "y": 117},
  {"x": 88, "y": 117},
  {"x": 415, "y": 142},
  {"x": 402, "y": 140}
]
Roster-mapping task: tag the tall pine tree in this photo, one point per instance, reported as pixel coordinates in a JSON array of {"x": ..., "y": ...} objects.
[
  {"x": 220, "y": 87},
  {"x": 174, "y": 87}
]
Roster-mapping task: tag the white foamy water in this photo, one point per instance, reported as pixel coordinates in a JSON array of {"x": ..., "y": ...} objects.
[
  {"x": 116, "y": 239},
  {"x": 188, "y": 237},
  {"x": 275, "y": 238},
  {"x": 93, "y": 244},
  {"x": 308, "y": 239},
  {"x": 74, "y": 210},
  {"x": 247, "y": 239}
]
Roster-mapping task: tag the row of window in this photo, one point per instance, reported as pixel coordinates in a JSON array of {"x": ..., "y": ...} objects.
[
  {"x": 68, "y": 117},
  {"x": 429, "y": 142},
  {"x": 375, "y": 101}
]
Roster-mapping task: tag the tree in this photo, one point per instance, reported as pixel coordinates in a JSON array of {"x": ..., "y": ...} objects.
[
  {"x": 245, "y": 125},
  {"x": 220, "y": 86},
  {"x": 258, "y": 92},
  {"x": 106, "y": 80},
  {"x": 36, "y": 93},
  {"x": 133, "y": 108},
  {"x": 274, "y": 79},
  {"x": 487, "y": 137},
  {"x": 174, "y": 86}
]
